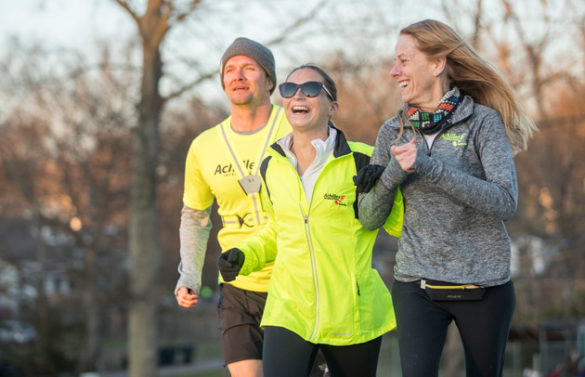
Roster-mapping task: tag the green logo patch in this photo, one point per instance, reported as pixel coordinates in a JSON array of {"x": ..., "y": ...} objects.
[{"x": 456, "y": 140}]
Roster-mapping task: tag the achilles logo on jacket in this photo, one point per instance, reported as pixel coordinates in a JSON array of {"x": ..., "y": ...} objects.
[{"x": 338, "y": 199}]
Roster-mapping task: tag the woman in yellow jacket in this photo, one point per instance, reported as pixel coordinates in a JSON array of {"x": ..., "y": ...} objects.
[{"x": 324, "y": 293}]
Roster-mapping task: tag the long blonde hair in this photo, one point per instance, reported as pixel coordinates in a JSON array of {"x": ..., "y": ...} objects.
[{"x": 476, "y": 77}]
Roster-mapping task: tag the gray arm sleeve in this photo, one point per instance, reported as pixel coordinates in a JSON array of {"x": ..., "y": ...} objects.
[
  {"x": 376, "y": 205},
  {"x": 193, "y": 235}
]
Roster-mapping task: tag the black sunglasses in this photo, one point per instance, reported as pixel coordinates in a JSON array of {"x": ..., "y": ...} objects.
[{"x": 310, "y": 89}]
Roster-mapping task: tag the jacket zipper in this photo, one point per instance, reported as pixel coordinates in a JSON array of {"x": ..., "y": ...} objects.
[
  {"x": 310, "y": 245},
  {"x": 313, "y": 269},
  {"x": 429, "y": 148},
  {"x": 312, "y": 252},
  {"x": 311, "y": 255}
]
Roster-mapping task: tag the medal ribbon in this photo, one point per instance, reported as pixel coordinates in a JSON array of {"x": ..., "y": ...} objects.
[{"x": 236, "y": 159}]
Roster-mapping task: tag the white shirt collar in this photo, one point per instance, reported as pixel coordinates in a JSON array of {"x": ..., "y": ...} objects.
[{"x": 324, "y": 149}]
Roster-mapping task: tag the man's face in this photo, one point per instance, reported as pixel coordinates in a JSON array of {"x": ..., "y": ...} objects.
[{"x": 245, "y": 82}]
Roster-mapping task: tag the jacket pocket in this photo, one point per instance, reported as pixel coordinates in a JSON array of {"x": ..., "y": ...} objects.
[{"x": 374, "y": 303}]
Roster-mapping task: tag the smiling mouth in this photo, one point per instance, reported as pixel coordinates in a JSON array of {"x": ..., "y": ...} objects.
[
  {"x": 403, "y": 84},
  {"x": 300, "y": 109}
]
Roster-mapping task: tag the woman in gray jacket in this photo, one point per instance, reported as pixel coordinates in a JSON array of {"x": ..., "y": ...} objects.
[{"x": 450, "y": 150}]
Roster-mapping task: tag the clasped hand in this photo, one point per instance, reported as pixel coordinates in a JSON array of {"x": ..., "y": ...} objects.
[{"x": 405, "y": 154}]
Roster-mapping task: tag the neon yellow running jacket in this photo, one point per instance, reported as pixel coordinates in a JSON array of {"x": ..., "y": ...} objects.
[{"x": 323, "y": 286}]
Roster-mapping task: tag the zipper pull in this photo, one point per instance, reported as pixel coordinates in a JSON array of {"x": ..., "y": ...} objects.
[
  {"x": 358, "y": 287},
  {"x": 306, "y": 219}
]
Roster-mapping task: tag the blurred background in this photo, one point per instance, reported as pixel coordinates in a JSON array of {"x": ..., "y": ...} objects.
[{"x": 100, "y": 99}]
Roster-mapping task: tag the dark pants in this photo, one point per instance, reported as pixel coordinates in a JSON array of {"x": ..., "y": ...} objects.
[
  {"x": 288, "y": 355},
  {"x": 422, "y": 327}
]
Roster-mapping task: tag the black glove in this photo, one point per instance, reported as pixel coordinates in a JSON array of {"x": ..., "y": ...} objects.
[
  {"x": 367, "y": 176},
  {"x": 230, "y": 263}
]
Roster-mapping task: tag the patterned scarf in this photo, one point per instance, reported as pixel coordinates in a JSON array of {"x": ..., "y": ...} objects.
[{"x": 429, "y": 123}]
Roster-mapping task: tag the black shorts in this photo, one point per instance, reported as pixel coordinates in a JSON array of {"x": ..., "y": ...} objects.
[{"x": 239, "y": 312}]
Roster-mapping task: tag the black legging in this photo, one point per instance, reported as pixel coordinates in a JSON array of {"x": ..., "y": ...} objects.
[
  {"x": 288, "y": 355},
  {"x": 422, "y": 327}
]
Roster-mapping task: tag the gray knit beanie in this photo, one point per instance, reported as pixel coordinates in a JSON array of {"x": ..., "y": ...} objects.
[{"x": 247, "y": 47}]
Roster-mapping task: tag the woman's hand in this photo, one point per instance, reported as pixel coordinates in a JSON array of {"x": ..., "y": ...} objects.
[
  {"x": 230, "y": 263},
  {"x": 405, "y": 154}
]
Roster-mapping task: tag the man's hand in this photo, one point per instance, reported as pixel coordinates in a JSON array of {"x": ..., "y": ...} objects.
[
  {"x": 230, "y": 263},
  {"x": 186, "y": 297}
]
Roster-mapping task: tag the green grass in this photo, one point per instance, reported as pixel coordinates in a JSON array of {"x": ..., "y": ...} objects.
[
  {"x": 216, "y": 373},
  {"x": 208, "y": 350}
]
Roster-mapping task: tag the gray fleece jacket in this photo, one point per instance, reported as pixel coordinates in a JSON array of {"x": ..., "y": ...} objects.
[{"x": 463, "y": 188}]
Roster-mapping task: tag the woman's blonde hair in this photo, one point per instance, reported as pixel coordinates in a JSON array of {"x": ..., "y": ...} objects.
[{"x": 476, "y": 77}]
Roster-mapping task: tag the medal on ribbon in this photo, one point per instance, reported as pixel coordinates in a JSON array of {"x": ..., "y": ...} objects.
[{"x": 251, "y": 184}]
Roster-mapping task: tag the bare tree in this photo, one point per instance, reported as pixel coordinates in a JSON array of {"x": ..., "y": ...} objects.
[
  {"x": 475, "y": 15},
  {"x": 153, "y": 26}
]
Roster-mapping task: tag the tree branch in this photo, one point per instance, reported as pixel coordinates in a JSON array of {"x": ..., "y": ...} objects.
[
  {"x": 299, "y": 22},
  {"x": 190, "y": 85},
  {"x": 477, "y": 24},
  {"x": 447, "y": 8},
  {"x": 163, "y": 25},
  {"x": 182, "y": 15},
  {"x": 124, "y": 4},
  {"x": 278, "y": 39}
]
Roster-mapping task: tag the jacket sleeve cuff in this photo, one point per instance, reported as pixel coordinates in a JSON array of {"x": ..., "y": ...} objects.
[
  {"x": 393, "y": 175},
  {"x": 423, "y": 164},
  {"x": 191, "y": 282},
  {"x": 248, "y": 266}
]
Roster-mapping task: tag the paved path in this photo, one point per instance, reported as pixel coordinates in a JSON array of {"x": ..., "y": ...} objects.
[{"x": 198, "y": 366}]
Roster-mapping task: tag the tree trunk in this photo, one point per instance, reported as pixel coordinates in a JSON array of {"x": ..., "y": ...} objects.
[
  {"x": 144, "y": 240},
  {"x": 90, "y": 353},
  {"x": 42, "y": 346}
]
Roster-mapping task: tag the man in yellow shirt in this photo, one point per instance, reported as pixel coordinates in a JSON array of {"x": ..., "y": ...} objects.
[{"x": 222, "y": 164}]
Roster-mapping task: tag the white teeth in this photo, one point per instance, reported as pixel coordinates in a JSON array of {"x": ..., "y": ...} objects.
[
  {"x": 300, "y": 108},
  {"x": 402, "y": 84}
]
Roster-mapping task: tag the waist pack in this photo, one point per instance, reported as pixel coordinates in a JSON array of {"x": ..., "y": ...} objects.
[{"x": 442, "y": 291}]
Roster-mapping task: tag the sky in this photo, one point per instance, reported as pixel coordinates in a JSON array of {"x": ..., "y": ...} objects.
[
  {"x": 68, "y": 23},
  {"x": 78, "y": 24},
  {"x": 345, "y": 24}
]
